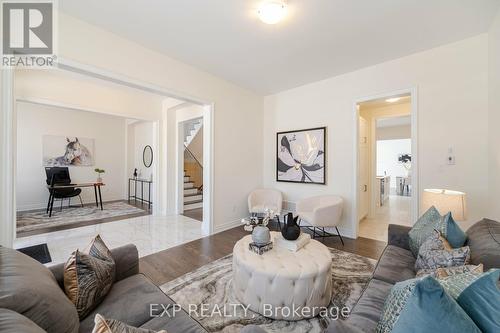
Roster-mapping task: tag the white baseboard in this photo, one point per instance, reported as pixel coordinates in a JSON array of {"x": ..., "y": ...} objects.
[{"x": 227, "y": 226}]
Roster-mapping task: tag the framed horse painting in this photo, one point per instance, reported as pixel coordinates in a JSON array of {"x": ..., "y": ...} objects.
[
  {"x": 67, "y": 151},
  {"x": 301, "y": 156}
]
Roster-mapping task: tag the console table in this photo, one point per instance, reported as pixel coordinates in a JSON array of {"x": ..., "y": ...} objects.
[{"x": 141, "y": 182}]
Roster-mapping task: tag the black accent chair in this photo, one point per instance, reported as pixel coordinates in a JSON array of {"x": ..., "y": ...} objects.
[{"x": 60, "y": 176}]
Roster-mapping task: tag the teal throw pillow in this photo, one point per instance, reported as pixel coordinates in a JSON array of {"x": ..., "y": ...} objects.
[
  {"x": 478, "y": 295},
  {"x": 431, "y": 220},
  {"x": 453, "y": 234},
  {"x": 422, "y": 305}
]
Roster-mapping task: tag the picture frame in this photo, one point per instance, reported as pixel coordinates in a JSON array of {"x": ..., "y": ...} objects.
[
  {"x": 301, "y": 156},
  {"x": 60, "y": 151}
]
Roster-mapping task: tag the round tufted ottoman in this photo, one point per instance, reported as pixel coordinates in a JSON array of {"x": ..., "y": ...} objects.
[{"x": 281, "y": 284}]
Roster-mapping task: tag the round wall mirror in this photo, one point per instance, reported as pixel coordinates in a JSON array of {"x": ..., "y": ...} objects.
[{"x": 147, "y": 156}]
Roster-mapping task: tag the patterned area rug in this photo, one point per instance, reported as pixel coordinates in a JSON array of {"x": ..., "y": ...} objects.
[
  {"x": 29, "y": 221},
  {"x": 212, "y": 284}
]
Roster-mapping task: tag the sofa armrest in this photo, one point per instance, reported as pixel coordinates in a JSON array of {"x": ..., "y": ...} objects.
[
  {"x": 126, "y": 259},
  {"x": 398, "y": 236}
]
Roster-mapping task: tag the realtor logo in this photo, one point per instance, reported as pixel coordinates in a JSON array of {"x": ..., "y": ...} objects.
[{"x": 28, "y": 33}]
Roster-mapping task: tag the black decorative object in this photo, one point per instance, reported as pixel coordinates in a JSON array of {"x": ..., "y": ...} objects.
[
  {"x": 147, "y": 156},
  {"x": 260, "y": 249},
  {"x": 38, "y": 252},
  {"x": 135, "y": 173},
  {"x": 291, "y": 230},
  {"x": 404, "y": 158},
  {"x": 300, "y": 156}
]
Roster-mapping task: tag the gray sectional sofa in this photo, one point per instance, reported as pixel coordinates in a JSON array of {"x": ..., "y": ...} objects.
[
  {"x": 32, "y": 299},
  {"x": 397, "y": 264}
]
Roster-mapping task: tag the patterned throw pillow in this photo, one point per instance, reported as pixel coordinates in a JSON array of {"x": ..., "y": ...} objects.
[
  {"x": 423, "y": 228},
  {"x": 436, "y": 252},
  {"x": 103, "y": 325},
  {"x": 421, "y": 305},
  {"x": 431, "y": 220},
  {"x": 442, "y": 272},
  {"x": 88, "y": 276},
  {"x": 478, "y": 295}
]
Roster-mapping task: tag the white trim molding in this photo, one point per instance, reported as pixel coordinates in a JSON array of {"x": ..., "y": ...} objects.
[
  {"x": 415, "y": 170},
  {"x": 226, "y": 226},
  {"x": 7, "y": 144},
  {"x": 7, "y": 201}
]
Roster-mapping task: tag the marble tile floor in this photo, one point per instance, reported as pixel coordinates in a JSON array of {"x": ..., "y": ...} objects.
[
  {"x": 396, "y": 210},
  {"x": 149, "y": 233}
]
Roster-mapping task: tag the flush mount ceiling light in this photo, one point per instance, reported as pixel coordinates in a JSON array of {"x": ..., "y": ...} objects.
[
  {"x": 393, "y": 100},
  {"x": 271, "y": 12}
]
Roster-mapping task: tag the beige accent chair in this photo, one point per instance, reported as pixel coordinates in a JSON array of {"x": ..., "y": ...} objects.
[
  {"x": 321, "y": 212},
  {"x": 263, "y": 198}
]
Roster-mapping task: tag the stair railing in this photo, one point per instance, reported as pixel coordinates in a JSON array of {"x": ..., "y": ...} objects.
[{"x": 198, "y": 164}]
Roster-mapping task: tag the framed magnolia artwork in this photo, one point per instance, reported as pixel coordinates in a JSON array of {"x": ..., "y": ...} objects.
[{"x": 301, "y": 156}]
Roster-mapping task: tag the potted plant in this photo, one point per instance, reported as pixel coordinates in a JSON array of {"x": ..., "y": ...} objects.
[{"x": 99, "y": 172}]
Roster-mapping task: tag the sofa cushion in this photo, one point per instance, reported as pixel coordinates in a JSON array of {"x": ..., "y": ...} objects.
[
  {"x": 30, "y": 289},
  {"x": 88, "y": 276},
  {"x": 478, "y": 295},
  {"x": 132, "y": 301},
  {"x": 484, "y": 243},
  {"x": 396, "y": 264},
  {"x": 420, "y": 306},
  {"x": 13, "y": 322},
  {"x": 367, "y": 311}
]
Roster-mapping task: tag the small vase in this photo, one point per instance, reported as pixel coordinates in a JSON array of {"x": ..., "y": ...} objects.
[
  {"x": 99, "y": 180},
  {"x": 261, "y": 235},
  {"x": 291, "y": 230}
]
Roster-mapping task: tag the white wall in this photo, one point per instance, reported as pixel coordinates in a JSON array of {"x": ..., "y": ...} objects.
[
  {"x": 494, "y": 120},
  {"x": 187, "y": 112},
  {"x": 393, "y": 132},
  {"x": 82, "y": 92},
  {"x": 452, "y": 80},
  {"x": 35, "y": 121},
  {"x": 140, "y": 134},
  {"x": 388, "y": 152},
  {"x": 236, "y": 109}
]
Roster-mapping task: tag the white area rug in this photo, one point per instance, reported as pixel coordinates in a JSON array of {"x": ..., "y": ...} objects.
[
  {"x": 29, "y": 221},
  {"x": 212, "y": 284}
]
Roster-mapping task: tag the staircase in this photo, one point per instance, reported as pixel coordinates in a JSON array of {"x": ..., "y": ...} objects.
[
  {"x": 193, "y": 197},
  {"x": 191, "y": 128},
  {"x": 193, "y": 170}
]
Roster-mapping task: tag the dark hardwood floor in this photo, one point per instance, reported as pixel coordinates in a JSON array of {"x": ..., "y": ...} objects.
[
  {"x": 196, "y": 214},
  {"x": 169, "y": 264}
]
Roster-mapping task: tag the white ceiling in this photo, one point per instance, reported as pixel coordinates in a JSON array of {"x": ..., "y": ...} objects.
[{"x": 318, "y": 39}]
